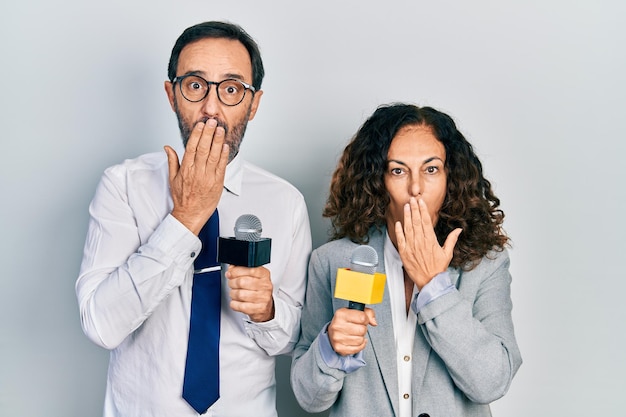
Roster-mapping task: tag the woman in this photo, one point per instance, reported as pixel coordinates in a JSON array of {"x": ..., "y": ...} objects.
[{"x": 441, "y": 343}]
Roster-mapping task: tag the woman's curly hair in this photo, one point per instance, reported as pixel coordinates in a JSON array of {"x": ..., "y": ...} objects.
[{"x": 359, "y": 201}]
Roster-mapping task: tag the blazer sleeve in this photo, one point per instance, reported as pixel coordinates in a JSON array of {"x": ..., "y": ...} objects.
[
  {"x": 315, "y": 385},
  {"x": 472, "y": 330}
]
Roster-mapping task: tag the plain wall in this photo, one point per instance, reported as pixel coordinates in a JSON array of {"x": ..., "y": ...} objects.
[{"x": 538, "y": 87}]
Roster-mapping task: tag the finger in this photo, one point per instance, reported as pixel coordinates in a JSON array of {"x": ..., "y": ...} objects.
[
  {"x": 342, "y": 348},
  {"x": 233, "y": 272},
  {"x": 223, "y": 161},
  {"x": 236, "y": 271},
  {"x": 172, "y": 162},
  {"x": 371, "y": 316},
  {"x": 192, "y": 144},
  {"x": 416, "y": 216},
  {"x": 426, "y": 222},
  {"x": 247, "y": 295},
  {"x": 409, "y": 229},
  {"x": 253, "y": 279},
  {"x": 205, "y": 141},
  {"x": 450, "y": 243},
  {"x": 400, "y": 238},
  {"x": 345, "y": 329},
  {"x": 217, "y": 144}
]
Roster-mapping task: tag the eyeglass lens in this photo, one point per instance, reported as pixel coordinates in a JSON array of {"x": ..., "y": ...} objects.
[{"x": 230, "y": 92}]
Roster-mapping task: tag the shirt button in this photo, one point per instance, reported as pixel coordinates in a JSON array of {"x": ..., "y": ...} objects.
[
  {"x": 407, "y": 358},
  {"x": 405, "y": 396},
  {"x": 193, "y": 254}
]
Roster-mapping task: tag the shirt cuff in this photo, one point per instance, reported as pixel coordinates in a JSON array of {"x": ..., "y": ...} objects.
[
  {"x": 176, "y": 241},
  {"x": 334, "y": 360},
  {"x": 438, "y": 286}
]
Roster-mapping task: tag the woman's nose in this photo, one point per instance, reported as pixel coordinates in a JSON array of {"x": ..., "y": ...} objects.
[{"x": 415, "y": 186}]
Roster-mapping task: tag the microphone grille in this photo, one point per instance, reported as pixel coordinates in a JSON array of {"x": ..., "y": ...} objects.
[
  {"x": 248, "y": 227},
  {"x": 364, "y": 259}
]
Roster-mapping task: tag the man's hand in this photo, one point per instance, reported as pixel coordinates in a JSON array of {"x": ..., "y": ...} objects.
[
  {"x": 196, "y": 183},
  {"x": 421, "y": 255},
  {"x": 347, "y": 330},
  {"x": 251, "y": 292}
]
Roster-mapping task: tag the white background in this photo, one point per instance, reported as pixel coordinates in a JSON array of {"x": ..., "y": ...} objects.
[{"x": 537, "y": 86}]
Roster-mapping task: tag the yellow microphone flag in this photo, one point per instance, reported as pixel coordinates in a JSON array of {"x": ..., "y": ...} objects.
[{"x": 359, "y": 286}]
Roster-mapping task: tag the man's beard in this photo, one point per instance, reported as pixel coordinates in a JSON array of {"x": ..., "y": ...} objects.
[{"x": 232, "y": 136}]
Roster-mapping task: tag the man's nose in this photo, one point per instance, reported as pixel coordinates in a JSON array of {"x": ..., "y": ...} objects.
[{"x": 211, "y": 103}]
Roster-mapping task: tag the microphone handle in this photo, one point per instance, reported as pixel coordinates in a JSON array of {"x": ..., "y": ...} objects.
[{"x": 356, "y": 305}]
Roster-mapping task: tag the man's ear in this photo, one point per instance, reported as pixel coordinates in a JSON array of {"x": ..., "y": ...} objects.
[
  {"x": 255, "y": 103},
  {"x": 169, "y": 90}
]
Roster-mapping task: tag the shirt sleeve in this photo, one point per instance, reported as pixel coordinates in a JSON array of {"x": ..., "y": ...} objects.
[
  {"x": 315, "y": 384},
  {"x": 438, "y": 286},
  {"x": 471, "y": 330},
  {"x": 279, "y": 335},
  {"x": 123, "y": 277}
]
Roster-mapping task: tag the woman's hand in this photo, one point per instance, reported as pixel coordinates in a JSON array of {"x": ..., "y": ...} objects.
[
  {"x": 421, "y": 255},
  {"x": 348, "y": 328}
]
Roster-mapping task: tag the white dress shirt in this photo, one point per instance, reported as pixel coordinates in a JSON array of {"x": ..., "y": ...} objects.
[
  {"x": 134, "y": 289},
  {"x": 404, "y": 325}
]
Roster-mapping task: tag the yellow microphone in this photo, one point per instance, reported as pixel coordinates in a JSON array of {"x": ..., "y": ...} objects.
[{"x": 361, "y": 284}]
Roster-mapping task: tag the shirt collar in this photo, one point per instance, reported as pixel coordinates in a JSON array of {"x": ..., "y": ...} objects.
[
  {"x": 392, "y": 257},
  {"x": 234, "y": 175}
]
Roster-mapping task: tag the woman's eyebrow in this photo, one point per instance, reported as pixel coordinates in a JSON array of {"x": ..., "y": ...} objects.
[
  {"x": 432, "y": 158},
  {"x": 396, "y": 161},
  {"x": 427, "y": 160}
]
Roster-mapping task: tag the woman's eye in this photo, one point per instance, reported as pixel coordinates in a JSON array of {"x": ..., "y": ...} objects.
[
  {"x": 432, "y": 170},
  {"x": 396, "y": 171}
]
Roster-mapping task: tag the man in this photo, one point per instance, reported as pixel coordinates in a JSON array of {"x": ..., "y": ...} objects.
[{"x": 137, "y": 275}]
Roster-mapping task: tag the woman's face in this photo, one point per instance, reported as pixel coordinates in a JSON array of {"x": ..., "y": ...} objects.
[{"x": 415, "y": 168}]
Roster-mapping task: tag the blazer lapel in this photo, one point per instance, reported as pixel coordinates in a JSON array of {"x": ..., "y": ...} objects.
[{"x": 381, "y": 336}]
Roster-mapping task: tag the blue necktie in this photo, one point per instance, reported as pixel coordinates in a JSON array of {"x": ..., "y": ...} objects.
[{"x": 201, "y": 385}]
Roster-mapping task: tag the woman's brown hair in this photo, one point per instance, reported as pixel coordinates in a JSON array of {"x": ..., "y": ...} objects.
[{"x": 358, "y": 199}]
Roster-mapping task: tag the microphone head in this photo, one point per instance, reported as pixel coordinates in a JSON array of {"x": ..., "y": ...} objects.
[
  {"x": 248, "y": 227},
  {"x": 364, "y": 259}
]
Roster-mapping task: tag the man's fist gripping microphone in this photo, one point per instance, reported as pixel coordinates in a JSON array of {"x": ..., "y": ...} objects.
[
  {"x": 247, "y": 248},
  {"x": 361, "y": 284}
]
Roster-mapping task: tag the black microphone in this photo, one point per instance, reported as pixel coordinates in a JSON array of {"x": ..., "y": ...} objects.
[
  {"x": 247, "y": 247},
  {"x": 361, "y": 284}
]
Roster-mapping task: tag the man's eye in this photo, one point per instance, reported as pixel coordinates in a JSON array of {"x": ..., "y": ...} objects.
[
  {"x": 231, "y": 89},
  {"x": 195, "y": 85}
]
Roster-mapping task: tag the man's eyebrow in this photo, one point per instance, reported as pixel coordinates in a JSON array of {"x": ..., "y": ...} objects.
[
  {"x": 232, "y": 75},
  {"x": 202, "y": 74}
]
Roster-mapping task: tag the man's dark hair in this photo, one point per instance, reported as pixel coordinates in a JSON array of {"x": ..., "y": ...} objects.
[{"x": 218, "y": 30}]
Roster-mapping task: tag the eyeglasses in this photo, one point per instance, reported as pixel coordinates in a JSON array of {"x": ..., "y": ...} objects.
[{"x": 195, "y": 88}]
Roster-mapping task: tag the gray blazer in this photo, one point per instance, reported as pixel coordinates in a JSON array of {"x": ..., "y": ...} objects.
[{"x": 464, "y": 355}]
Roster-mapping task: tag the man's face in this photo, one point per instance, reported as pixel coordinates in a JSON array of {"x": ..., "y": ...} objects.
[{"x": 214, "y": 60}]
